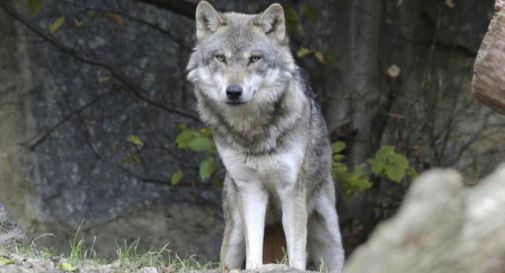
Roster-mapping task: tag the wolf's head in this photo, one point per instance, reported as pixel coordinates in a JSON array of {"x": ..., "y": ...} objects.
[{"x": 241, "y": 59}]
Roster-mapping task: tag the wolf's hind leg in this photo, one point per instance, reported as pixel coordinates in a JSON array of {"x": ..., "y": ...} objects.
[
  {"x": 233, "y": 246},
  {"x": 324, "y": 242}
]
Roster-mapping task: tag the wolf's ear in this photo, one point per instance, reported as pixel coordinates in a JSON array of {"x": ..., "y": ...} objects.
[
  {"x": 208, "y": 19},
  {"x": 272, "y": 22}
]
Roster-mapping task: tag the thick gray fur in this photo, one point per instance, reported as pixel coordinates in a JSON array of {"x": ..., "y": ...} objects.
[{"x": 273, "y": 144}]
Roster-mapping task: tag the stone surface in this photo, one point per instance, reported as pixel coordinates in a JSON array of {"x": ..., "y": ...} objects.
[
  {"x": 268, "y": 268},
  {"x": 23, "y": 264},
  {"x": 87, "y": 170},
  {"x": 11, "y": 234},
  {"x": 488, "y": 84},
  {"x": 441, "y": 227}
]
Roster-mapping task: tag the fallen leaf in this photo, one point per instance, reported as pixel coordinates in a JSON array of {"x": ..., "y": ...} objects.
[
  {"x": 136, "y": 140},
  {"x": 450, "y": 3},
  {"x": 116, "y": 18},
  {"x": 320, "y": 56},
  {"x": 67, "y": 267},
  {"x": 56, "y": 24},
  {"x": 302, "y": 52},
  {"x": 6, "y": 261},
  {"x": 78, "y": 23}
]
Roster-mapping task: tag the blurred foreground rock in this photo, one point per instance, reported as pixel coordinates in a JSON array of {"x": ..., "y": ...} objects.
[
  {"x": 441, "y": 227},
  {"x": 10, "y": 233}
]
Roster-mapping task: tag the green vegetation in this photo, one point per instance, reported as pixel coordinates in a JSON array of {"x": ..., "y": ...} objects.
[
  {"x": 197, "y": 141},
  {"x": 385, "y": 164},
  {"x": 129, "y": 258}
]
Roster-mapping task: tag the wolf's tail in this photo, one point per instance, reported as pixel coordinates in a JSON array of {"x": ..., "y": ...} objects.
[{"x": 274, "y": 244}]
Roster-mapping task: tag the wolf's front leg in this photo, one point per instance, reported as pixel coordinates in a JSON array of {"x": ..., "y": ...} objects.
[
  {"x": 253, "y": 206},
  {"x": 294, "y": 222}
]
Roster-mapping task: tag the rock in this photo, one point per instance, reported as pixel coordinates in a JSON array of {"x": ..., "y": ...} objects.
[
  {"x": 441, "y": 227},
  {"x": 150, "y": 269},
  {"x": 268, "y": 268},
  {"x": 11, "y": 234},
  {"x": 488, "y": 83}
]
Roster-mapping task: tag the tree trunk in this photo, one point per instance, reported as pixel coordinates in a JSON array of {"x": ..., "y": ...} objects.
[
  {"x": 489, "y": 69},
  {"x": 353, "y": 107}
]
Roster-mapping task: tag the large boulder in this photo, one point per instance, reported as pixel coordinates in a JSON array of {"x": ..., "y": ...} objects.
[
  {"x": 441, "y": 227},
  {"x": 11, "y": 234}
]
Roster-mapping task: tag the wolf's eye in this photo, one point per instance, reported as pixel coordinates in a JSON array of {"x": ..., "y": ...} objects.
[
  {"x": 254, "y": 58},
  {"x": 220, "y": 58}
]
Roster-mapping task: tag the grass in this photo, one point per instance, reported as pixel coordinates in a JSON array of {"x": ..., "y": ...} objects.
[
  {"x": 128, "y": 256},
  {"x": 79, "y": 252}
]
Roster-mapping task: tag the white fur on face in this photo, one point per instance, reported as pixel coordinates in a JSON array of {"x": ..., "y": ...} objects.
[
  {"x": 212, "y": 85},
  {"x": 262, "y": 88},
  {"x": 257, "y": 89}
]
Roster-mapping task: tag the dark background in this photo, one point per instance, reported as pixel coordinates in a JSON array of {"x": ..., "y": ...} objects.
[{"x": 75, "y": 98}]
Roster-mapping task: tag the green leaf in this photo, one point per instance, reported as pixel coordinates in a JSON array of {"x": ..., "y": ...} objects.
[
  {"x": 310, "y": 12},
  {"x": 6, "y": 261},
  {"x": 35, "y": 6},
  {"x": 184, "y": 138},
  {"x": 302, "y": 52},
  {"x": 201, "y": 144},
  {"x": 67, "y": 267},
  {"x": 352, "y": 182},
  {"x": 135, "y": 140},
  {"x": 207, "y": 167},
  {"x": 412, "y": 172},
  {"x": 338, "y": 147},
  {"x": 338, "y": 157},
  {"x": 176, "y": 177},
  {"x": 377, "y": 163},
  {"x": 56, "y": 24},
  {"x": 396, "y": 168},
  {"x": 386, "y": 162}
]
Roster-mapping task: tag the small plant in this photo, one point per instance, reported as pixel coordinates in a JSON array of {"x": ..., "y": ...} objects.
[
  {"x": 130, "y": 258},
  {"x": 78, "y": 251},
  {"x": 177, "y": 264},
  {"x": 197, "y": 141},
  {"x": 352, "y": 181},
  {"x": 386, "y": 164}
]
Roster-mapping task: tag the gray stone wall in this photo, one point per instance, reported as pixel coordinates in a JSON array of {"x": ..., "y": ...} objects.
[{"x": 65, "y": 118}]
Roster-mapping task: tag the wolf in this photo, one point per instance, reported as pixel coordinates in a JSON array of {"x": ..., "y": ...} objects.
[{"x": 270, "y": 135}]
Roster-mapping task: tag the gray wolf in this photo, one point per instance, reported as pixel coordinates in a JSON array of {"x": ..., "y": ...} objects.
[{"x": 270, "y": 136}]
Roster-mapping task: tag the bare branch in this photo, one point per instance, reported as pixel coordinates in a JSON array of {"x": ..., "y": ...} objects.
[
  {"x": 154, "y": 26},
  {"x": 42, "y": 137},
  {"x": 133, "y": 88}
]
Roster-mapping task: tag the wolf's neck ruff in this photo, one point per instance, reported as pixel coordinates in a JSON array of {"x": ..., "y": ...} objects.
[{"x": 256, "y": 128}]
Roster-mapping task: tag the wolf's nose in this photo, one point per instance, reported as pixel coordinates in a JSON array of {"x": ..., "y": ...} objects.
[{"x": 234, "y": 91}]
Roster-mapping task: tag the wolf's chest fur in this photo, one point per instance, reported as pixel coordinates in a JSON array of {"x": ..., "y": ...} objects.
[
  {"x": 276, "y": 173},
  {"x": 272, "y": 170}
]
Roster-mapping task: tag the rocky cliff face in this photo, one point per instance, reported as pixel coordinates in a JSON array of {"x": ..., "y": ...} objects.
[
  {"x": 65, "y": 119},
  {"x": 11, "y": 234},
  {"x": 65, "y": 158}
]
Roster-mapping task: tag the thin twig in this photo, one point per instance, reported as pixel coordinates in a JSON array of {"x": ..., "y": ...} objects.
[{"x": 135, "y": 89}]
